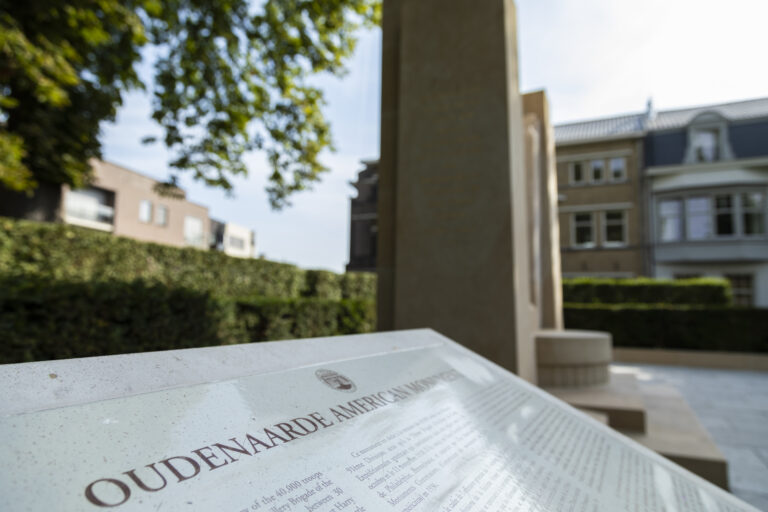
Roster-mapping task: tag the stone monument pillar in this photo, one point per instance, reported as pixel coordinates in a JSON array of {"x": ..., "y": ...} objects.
[
  {"x": 540, "y": 153},
  {"x": 453, "y": 228}
]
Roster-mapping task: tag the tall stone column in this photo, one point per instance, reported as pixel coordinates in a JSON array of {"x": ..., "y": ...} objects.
[
  {"x": 453, "y": 246},
  {"x": 541, "y": 137}
]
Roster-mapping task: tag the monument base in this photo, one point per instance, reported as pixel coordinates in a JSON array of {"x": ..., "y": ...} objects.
[
  {"x": 655, "y": 416},
  {"x": 674, "y": 431},
  {"x": 619, "y": 400},
  {"x": 572, "y": 358}
]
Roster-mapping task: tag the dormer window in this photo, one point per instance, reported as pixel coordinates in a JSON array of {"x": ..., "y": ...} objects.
[
  {"x": 708, "y": 139},
  {"x": 705, "y": 145}
]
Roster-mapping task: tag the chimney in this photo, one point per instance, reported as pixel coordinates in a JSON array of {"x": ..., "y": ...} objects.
[{"x": 650, "y": 112}]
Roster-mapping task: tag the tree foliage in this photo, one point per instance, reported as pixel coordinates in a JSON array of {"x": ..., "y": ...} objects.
[{"x": 229, "y": 77}]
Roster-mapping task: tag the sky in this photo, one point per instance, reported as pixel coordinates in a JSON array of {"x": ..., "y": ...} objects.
[{"x": 595, "y": 58}]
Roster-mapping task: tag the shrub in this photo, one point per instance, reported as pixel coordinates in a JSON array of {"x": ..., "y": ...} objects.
[
  {"x": 702, "y": 291},
  {"x": 269, "y": 319},
  {"x": 675, "y": 326},
  {"x": 69, "y": 253},
  {"x": 42, "y": 320},
  {"x": 357, "y": 316},
  {"x": 358, "y": 285},
  {"x": 322, "y": 284},
  {"x": 63, "y": 252}
]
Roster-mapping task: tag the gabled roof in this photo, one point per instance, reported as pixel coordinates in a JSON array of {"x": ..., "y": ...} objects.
[{"x": 633, "y": 125}]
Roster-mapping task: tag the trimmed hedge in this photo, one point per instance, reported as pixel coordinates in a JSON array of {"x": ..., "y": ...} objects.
[
  {"x": 63, "y": 252},
  {"x": 701, "y": 291},
  {"x": 675, "y": 327},
  {"x": 358, "y": 285},
  {"x": 41, "y": 320},
  {"x": 279, "y": 319},
  {"x": 322, "y": 284},
  {"x": 68, "y": 253}
]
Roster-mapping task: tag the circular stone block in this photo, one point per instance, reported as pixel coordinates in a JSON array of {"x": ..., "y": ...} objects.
[{"x": 570, "y": 358}]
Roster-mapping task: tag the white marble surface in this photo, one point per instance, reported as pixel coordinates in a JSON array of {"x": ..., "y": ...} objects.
[
  {"x": 221, "y": 429},
  {"x": 41, "y": 385}
]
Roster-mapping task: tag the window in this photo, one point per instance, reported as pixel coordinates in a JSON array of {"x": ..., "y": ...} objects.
[
  {"x": 698, "y": 218},
  {"x": 145, "y": 211},
  {"x": 753, "y": 213},
  {"x": 708, "y": 139},
  {"x": 615, "y": 228},
  {"x": 577, "y": 173},
  {"x": 91, "y": 204},
  {"x": 236, "y": 242},
  {"x": 193, "y": 231},
  {"x": 713, "y": 216},
  {"x": 742, "y": 288},
  {"x": 705, "y": 145},
  {"x": 583, "y": 230},
  {"x": 161, "y": 215},
  {"x": 618, "y": 169},
  {"x": 670, "y": 220},
  {"x": 724, "y": 215},
  {"x": 598, "y": 170}
]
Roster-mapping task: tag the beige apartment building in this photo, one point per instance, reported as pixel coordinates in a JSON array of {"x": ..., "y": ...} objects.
[
  {"x": 125, "y": 203},
  {"x": 601, "y": 210}
]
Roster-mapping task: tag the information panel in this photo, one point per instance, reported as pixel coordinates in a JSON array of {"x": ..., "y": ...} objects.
[{"x": 430, "y": 429}]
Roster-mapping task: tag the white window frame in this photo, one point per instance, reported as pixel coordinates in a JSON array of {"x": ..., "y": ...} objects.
[
  {"x": 150, "y": 211},
  {"x": 681, "y": 220},
  {"x": 759, "y": 211},
  {"x": 161, "y": 220},
  {"x": 742, "y": 292},
  {"x": 624, "y": 225},
  {"x": 686, "y": 214},
  {"x": 709, "y": 121},
  {"x": 733, "y": 210},
  {"x": 187, "y": 240},
  {"x": 571, "y": 174},
  {"x": 737, "y": 211},
  {"x": 623, "y": 178},
  {"x": 592, "y": 179},
  {"x": 588, "y": 245},
  {"x": 233, "y": 242}
]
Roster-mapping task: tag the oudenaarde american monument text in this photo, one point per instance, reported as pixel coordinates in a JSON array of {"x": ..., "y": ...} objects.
[{"x": 435, "y": 428}]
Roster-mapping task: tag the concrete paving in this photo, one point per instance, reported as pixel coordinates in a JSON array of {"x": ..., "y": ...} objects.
[{"x": 733, "y": 407}]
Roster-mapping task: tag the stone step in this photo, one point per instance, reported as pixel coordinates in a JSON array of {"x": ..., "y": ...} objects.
[
  {"x": 620, "y": 400},
  {"x": 656, "y": 416},
  {"x": 674, "y": 431},
  {"x": 597, "y": 416}
]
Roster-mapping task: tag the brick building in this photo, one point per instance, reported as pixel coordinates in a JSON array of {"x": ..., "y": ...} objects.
[{"x": 671, "y": 194}]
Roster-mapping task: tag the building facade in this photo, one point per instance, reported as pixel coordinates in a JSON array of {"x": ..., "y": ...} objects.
[
  {"x": 233, "y": 240},
  {"x": 127, "y": 203},
  {"x": 600, "y": 206},
  {"x": 693, "y": 203},
  {"x": 668, "y": 194},
  {"x": 707, "y": 175},
  {"x": 363, "y": 229}
]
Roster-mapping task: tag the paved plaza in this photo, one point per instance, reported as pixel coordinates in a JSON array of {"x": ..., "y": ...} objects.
[{"x": 733, "y": 406}]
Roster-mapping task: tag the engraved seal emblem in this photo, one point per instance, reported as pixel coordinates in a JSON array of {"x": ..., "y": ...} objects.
[{"x": 335, "y": 380}]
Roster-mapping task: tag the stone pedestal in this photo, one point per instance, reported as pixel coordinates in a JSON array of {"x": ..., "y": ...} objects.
[
  {"x": 453, "y": 238},
  {"x": 570, "y": 358}
]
